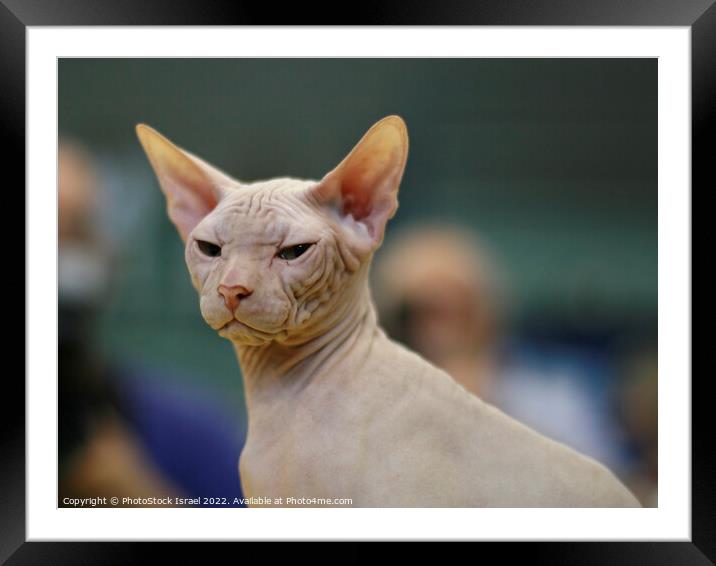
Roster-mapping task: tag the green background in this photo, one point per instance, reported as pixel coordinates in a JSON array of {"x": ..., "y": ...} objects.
[{"x": 552, "y": 161}]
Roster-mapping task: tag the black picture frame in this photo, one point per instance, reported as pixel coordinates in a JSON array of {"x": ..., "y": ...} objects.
[{"x": 16, "y": 15}]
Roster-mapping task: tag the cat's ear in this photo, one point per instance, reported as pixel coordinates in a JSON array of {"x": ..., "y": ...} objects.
[
  {"x": 192, "y": 187},
  {"x": 364, "y": 186}
]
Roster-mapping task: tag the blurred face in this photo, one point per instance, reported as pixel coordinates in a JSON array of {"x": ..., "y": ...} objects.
[
  {"x": 83, "y": 269},
  {"x": 77, "y": 189},
  {"x": 444, "y": 323},
  {"x": 440, "y": 282}
]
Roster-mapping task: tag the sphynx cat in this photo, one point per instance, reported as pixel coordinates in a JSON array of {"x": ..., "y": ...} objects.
[{"x": 336, "y": 409}]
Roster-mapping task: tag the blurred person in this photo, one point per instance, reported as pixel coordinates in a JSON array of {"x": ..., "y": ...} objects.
[
  {"x": 122, "y": 432},
  {"x": 440, "y": 292},
  {"x": 99, "y": 455},
  {"x": 637, "y": 397}
]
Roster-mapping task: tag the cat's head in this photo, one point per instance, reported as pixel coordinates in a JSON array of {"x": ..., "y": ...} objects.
[{"x": 277, "y": 259}]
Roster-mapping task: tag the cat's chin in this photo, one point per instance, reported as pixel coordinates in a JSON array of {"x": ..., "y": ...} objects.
[{"x": 242, "y": 333}]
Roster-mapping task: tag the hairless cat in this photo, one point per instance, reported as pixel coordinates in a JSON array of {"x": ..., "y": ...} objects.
[{"x": 337, "y": 410}]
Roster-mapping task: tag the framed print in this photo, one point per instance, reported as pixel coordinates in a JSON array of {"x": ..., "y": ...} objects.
[{"x": 539, "y": 262}]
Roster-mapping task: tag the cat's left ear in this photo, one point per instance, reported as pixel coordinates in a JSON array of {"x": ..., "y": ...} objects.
[{"x": 363, "y": 188}]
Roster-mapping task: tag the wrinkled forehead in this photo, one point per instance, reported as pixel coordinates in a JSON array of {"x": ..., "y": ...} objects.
[{"x": 261, "y": 211}]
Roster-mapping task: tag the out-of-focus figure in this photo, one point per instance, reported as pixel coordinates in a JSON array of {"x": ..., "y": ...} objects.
[
  {"x": 638, "y": 404},
  {"x": 99, "y": 454},
  {"x": 122, "y": 432},
  {"x": 440, "y": 292}
]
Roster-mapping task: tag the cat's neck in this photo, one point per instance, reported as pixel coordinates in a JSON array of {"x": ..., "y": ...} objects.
[{"x": 338, "y": 351}]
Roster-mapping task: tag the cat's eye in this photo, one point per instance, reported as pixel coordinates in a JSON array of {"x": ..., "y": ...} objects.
[
  {"x": 292, "y": 252},
  {"x": 207, "y": 248}
]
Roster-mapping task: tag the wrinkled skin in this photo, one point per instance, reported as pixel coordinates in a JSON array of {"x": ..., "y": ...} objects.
[
  {"x": 289, "y": 299},
  {"x": 337, "y": 409}
]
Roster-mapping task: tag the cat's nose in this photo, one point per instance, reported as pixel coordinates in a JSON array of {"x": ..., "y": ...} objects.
[{"x": 233, "y": 295}]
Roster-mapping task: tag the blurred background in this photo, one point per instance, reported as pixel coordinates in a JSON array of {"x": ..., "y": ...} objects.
[{"x": 523, "y": 258}]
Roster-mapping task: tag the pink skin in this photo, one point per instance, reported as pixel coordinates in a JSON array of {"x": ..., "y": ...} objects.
[
  {"x": 248, "y": 293},
  {"x": 337, "y": 409}
]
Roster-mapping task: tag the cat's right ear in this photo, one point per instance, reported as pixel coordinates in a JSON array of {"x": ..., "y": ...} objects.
[
  {"x": 363, "y": 188},
  {"x": 192, "y": 187}
]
